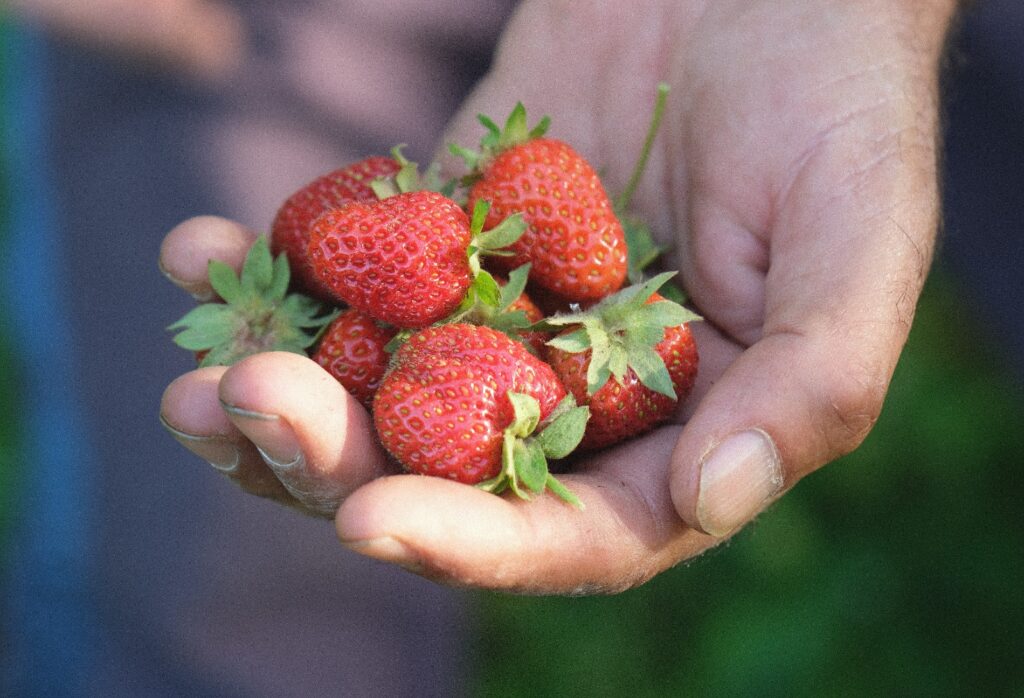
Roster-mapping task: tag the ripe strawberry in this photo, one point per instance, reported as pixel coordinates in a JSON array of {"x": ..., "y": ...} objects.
[
  {"x": 401, "y": 260},
  {"x": 257, "y": 314},
  {"x": 405, "y": 260},
  {"x": 463, "y": 402},
  {"x": 289, "y": 232},
  {"x": 640, "y": 341},
  {"x": 352, "y": 350},
  {"x": 574, "y": 240}
]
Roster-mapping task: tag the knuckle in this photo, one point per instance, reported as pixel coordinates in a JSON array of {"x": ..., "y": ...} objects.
[{"x": 852, "y": 400}]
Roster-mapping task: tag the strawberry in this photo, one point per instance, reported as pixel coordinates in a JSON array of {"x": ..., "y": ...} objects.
[
  {"x": 289, "y": 232},
  {"x": 352, "y": 350},
  {"x": 465, "y": 402},
  {"x": 407, "y": 260},
  {"x": 573, "y": 240},
  {"x": 630, "y": 358},
  {"x": 257, "y": 314}
]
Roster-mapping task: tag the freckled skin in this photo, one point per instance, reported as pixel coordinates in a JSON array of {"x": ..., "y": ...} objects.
[
  {"x": 289, "y": 232},
  {"x": 401, "y": 260},
  {"x": 352, "y": 350},
  {"x": 443, "y": 406},
  {"x": 619, "y": 412},
  {"x": 574, "y": 240}
]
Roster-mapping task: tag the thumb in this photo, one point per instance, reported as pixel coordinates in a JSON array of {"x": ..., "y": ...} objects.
[
  {"x": 838, "y": 309},
  {"x": 788, "y": 405}
]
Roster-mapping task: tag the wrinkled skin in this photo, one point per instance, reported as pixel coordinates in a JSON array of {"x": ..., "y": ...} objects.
[{"x": 795, "y": 174}]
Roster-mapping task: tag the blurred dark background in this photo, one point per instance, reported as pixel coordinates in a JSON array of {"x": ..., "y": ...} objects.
[{"x": 897, "y": 570}]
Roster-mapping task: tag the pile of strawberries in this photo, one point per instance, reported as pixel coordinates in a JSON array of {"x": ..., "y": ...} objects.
[{"x": 434, "y": 294}]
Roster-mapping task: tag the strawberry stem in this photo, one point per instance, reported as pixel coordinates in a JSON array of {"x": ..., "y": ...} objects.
[{"x": 622, "y": 202}]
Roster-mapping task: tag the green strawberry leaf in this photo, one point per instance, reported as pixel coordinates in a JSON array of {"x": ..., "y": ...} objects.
[
  {"x": 224, "y": 280},
  {"x": 510, "y": 323},
  {"x": 563, "y": 492},
  {"x": 502, "y": 235},
  {"x": 467, "y": 155},
  {"x": 531, "y": 465},
  {"x": 675, "y": 294},
  {"x": 487, "y": 289},
  {"x": 663, "y": 314},
  {"x": 201, "y": 314},
  {"x": 408, "y": 176},
  {"x": 515, "y": 130},
  {"x": 527, "y": 414},
  {"x": 385, "y": 187},
  {"x": 280, "y": 278},
  {"x": 599, "y": 370},
  {"x": 618, "y": 361},
  {"x": 258, "y": 268},
  {"x": 564, "y": 433},
  {"x": 478, "y": 217},
  {"x": 511, "y": 291},
  {"x": 400, "y": 338},
  {"x": 574, "y": 342},
  {"x": 567, "y": 403},
  {"x": 650, "y": 368},
  {"x": 205, "y": 327},
  {"x": 540, "y": 129},
  {"x": 493, "y": 135}
]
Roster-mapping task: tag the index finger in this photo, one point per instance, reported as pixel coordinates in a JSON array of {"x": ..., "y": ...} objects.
[{"x": 186, "y": 251}]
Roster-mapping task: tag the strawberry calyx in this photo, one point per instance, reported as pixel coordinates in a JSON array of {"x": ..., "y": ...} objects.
[
  {"x": 258, "y": 314},
  {"x": 485, "y": 292},
  {"x": 621, "y": 332},
  {"x": 501, "y": 316},
  {"x": 497, "y": 139},
  {"x": 409, "y": 178},
  {"x": 528, "y": 444}
]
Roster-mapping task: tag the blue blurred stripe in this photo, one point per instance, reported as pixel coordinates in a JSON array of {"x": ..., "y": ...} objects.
[{"x": 53, "y": 629}]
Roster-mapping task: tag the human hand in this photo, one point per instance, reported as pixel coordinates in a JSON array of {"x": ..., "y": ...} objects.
[
  {"x": 202, "y": 39},
  {"x": 795, "y": 174}
]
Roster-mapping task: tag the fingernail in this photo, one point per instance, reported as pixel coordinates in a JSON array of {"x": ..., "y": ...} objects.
[
  {"x": 199, "y": 290},
  {"x": 215, "y": 450},
  {"x": 386, "y": 549},
  {"x": 273, "y": 436},
  {"x": 737, "y": 478}
]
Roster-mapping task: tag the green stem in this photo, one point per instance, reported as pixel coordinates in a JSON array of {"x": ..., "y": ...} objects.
[{"x": 641, "y": 164}]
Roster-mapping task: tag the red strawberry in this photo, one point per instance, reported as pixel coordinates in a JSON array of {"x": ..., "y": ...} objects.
[
  {"x": 646, "y": 361},
  {"x": 407, "y": 260},
  {"x": 289, "y": 232},
  {"x": 352, "y": 350},
  {"x": 462, "y": 402},
  {"x": 574, "y": 240},
  {"x": 401, "y": 260}
]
